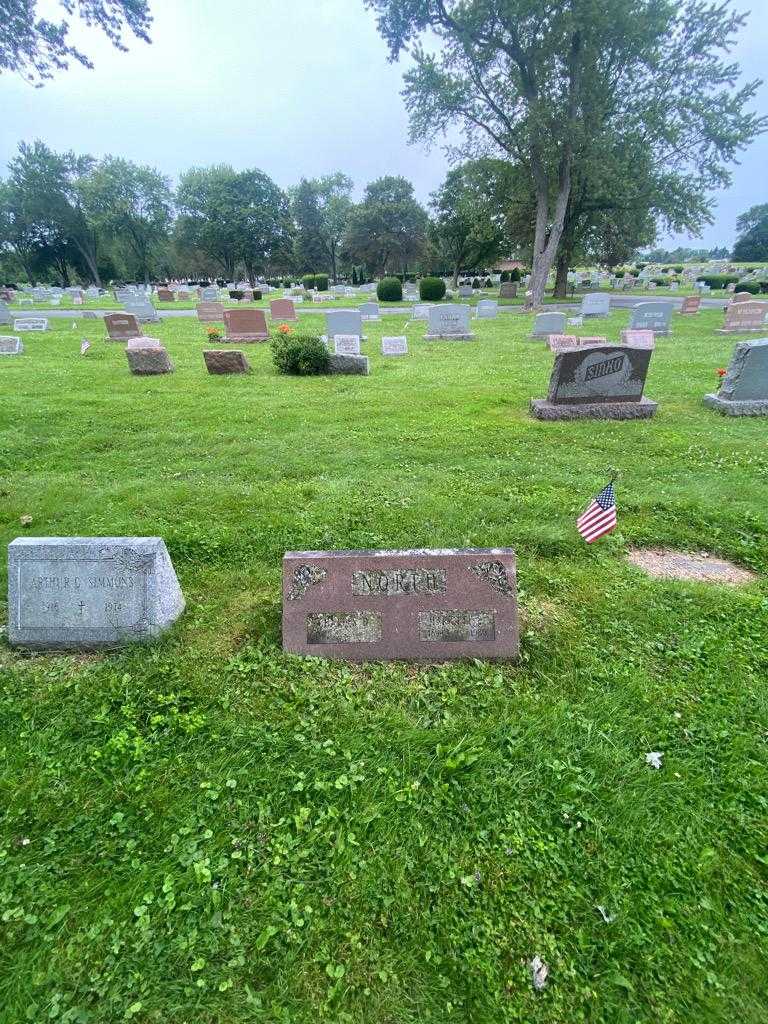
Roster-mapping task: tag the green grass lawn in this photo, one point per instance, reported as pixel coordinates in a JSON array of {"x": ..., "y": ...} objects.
[{"x": 206, "y": 830}]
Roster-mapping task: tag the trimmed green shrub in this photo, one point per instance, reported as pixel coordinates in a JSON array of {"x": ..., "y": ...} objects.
[
  {"x": 299, "y": 354},
  {"x": 488, "y": 283},
  {"x": 678, "y": 269},
  {"x": 321, "y": 282},
  {"x": 431, "y": 288},
  {"x": 504, "y": 277},
  {"x": 753, "y": 287},
  {"x": 389, "y": 289},
  {"x": 661, "y": 282},
  {"x": 256, "y": 295},
  {"x": 716, "y": 281},
  {"x": 619, "y": 273},
  {"x": 236, "y": 294},
  {"x": 515, "y": 274},
  {"x": 475, "y": 282},
  {"x": 308, "y": 281}
]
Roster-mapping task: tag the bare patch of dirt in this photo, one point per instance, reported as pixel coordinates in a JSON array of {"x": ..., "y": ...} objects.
[{"x": 682, "y": 565}]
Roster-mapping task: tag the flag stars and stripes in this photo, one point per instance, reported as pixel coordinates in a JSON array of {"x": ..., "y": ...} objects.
[{"x": 599, "y": 517}]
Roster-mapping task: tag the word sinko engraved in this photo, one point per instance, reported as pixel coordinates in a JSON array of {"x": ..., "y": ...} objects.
[
  {"x": 395, "y": 582},
  {"x": 613, "y": 365}
]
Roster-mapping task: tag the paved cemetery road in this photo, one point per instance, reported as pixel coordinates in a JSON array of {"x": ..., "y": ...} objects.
[{"x": 617, "y": 302}]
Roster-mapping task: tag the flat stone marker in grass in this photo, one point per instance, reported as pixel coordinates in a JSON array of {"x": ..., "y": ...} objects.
[
  {"x": 31, "y": 323},
  {"x": 638, "y": 339},
  {"x": 603, "y": 382},
  {"x": 449, "y": 322},
  {"x": 225, "y": 360},
  {"x": 346, "y": 344},
  {"x": 744, "y": 316},
  {"x": 664, "y": 564},
  {"x": 545, "y": 324},
  {"x": 420, "y": 605},
  {"x": 744, "y": 389},
  {"x": 10, "y": 345},
  {"x": 691, "y": 304},
  {"x": 89, "y": 593},
  {"x": 651, "y": 316},
  {"x": 147, "y": 360},
  {"x": 356, "y": 365},
  {"x": 210, "y": 312},
  {"x": 282, "y": 309},
  {"x": 246, "y": 325},
  {"x": 122, "y": 326},
  {"x": 394, "y": 346}
]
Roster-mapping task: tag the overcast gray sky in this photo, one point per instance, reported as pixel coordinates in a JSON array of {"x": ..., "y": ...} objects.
[{"x": 293, "y": 87}]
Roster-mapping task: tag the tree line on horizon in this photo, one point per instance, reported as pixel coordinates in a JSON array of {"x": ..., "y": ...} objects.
[{"x": 66, "y": 218}]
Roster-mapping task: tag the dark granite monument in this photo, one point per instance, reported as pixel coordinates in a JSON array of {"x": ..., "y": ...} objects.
[
  {"x": 418, "y": 605},
  {"x": 604, "y": 382},
  {"x": 225, "y": 360}
]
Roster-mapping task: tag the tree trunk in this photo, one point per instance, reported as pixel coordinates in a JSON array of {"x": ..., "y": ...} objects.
[
  {"x": 561, "y": 278},
  {"x": 333, "y": 264},
  {"x": 456, "y": 271},
  {"x": 545, "y": 244}
]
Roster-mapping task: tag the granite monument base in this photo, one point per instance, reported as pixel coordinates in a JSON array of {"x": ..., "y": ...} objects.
[
  {"x": 748, "y": 407},
  {"x": 543, "y": 409},
  {"x": 348, "y": 364},
  {"x": 450, "y": 337}
]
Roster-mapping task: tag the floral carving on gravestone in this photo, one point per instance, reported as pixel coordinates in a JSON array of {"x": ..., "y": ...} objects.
[
  {"x": 495, "y": 575},
  {"x": 128, "y": 559},
  {"x": 304, "y": 577}
]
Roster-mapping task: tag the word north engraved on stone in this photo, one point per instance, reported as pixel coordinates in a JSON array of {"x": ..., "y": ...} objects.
[
  {"x": 396, "y": 582},
  {"x": 456, "y": 626},
  {"x": 340, "y": 628}
]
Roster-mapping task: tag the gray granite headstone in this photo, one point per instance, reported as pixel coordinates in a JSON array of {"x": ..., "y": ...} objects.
[
  {"x": 142, "y": 309},
  {"x": 744, "y": 389},
  {"x": 89, "y": 593},
  {"x": 32, "y": 323},
  {"x": 450, "y": 321},
  {"x": 420, "y": 312},
  {"x": 369, "y": 310},
  {"x": 651, "y": 316},
  {"x": 5, "y": 313},
  {"x": 602, "y": 382},
  {"x": 10, "y": 345},
  {"x": 346, "y": 344},
  {"x": 465, "y": 291},
  {"x": 595, "y": 304},
  {"x": 508, "y": 290},
  {"x": 487, "y": 309},
  {"x": 548, "y": 323},
  {"x": 343, "y": 321}
]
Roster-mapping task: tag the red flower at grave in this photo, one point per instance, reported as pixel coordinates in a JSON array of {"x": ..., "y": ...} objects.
[
  {"x": 284, "y": 329},
  {"x": 721, "y": 372}
]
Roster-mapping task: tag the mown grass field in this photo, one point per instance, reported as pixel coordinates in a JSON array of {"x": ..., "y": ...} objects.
[{"x": 208, "y": 831}]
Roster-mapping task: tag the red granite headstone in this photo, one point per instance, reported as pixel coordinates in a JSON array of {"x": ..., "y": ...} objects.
[
  {"x": 245, "y": 325},
  {"x": 282, "y": 309},
  {"x": 210, "y": 312},
  {"x": 691, "y": 304},
  {"x": 122, "y": 326},
  {"x": 744, "y": 315},
  {"x": 417, "y": 605}
]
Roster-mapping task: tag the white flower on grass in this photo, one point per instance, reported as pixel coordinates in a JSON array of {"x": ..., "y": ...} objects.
[
  {"x": 608, "y": 918},
  {"x": 654, "y": 758},
  {"x": 539, "y": 973}
]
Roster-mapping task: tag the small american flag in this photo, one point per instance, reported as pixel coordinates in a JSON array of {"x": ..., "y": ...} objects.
[{"x": 599, "y": 517}]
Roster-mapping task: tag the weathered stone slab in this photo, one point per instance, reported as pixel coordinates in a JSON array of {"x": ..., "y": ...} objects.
[
  {"x": 210, "y": 312},
  {"x": 651, "y": 316},
  {"x": 449, "y": 321},
  {"x": 487, "y": 309},
  {"x": 148, "y": 362},
  {"x": 89, "y": 593},
  {"x": 122, "y": 326},
  {"x": 225, "y": 360},
  {"x": 133, "y": 344},
  {"x": 10, "y": 345},
  {"x": 394, "y": 346},
  {"x": 31, "y": 323},
  {"x": 508, "y": 290},
  {"x": 545, "y": 324},
  {"x": 351, "y": 364},
  {"x": 603, "y": 382},
  {"x": 744, "y": 316},
  {"x": 142, "y": 309},
  {"x": 369, "y": 310},
  {"x": 744, "y": 389},
  {"x": 343, "y": 321},
  {"x": 282, "y": 309},
  {"x": 420, "y": 312},
  {"x": 422, "y": 605},
  {"x": 165, "y": 295},
  {"x": 691, "y": 304}
]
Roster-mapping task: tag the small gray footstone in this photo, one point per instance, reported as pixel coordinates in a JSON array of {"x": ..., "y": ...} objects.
[
  {"x": 89, "y": 593},
  {"x": 543, "y": 409}
]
